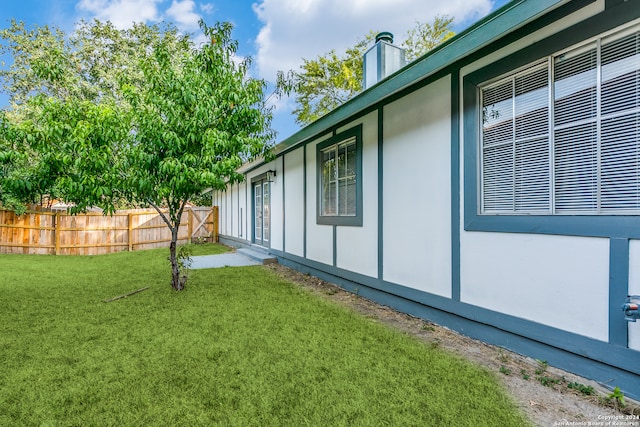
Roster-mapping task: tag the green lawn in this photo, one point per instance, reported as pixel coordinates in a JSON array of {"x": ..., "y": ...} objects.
[
  {"x": 207, "y": 249},
  {"x": 238, "y": 347}
]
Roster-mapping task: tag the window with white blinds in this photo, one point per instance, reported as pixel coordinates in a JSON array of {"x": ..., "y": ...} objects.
[
  {"x": 339, "y": 179},
  {"x": 563, "y": 135}
]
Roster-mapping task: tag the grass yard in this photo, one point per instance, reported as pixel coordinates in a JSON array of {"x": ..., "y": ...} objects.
[
  {"x": 207, "y": 249},
  {"x": 238, "y": 347}
]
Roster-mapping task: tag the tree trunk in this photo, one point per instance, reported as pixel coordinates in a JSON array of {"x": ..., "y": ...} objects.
[
  {"x": 176, "y": 281},
  {"x": 173, "y": 222}
]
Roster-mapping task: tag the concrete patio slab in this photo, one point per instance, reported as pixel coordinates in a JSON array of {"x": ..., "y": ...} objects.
[{"x": 222, "y": 260}]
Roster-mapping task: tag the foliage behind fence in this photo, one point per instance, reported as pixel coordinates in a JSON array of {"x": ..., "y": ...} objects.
[{"x": 59, "y": 233}]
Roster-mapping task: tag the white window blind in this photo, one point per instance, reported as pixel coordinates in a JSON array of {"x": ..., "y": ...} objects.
[
  {"x": 516, "y": 143},
  {"x": 620, "y": 128},
  {"x": 563, "y": 136},
  {"x": 339, "y": 179},
  {"x": 575, "y": 135}
]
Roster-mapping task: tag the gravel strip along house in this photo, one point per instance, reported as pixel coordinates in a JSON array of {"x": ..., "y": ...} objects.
[{"x": 491, "y": 186}]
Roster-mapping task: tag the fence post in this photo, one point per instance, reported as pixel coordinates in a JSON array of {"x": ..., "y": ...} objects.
[
  {"x": 190, "y": 225},
  {"x": 215, "y": 224},
  {"x": 57, "y": 234},
  {"x": 130, "y": 231}
]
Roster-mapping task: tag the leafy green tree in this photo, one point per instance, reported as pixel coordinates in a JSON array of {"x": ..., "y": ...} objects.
[
  {"x": 41, "y": 62},
  {"x": 157, "y": 131},
  {"x": 195, "y": 121},
  {"x": 21, "y": 175},
  {"x": 426, "y": 36},
  {"x": 78, "y": 146},
  {"x": 10, "y": 167},
  {"x": 88, "y": 64},
  {"x": 91, "y": 64},
  {"x": 325, "y": 83}
]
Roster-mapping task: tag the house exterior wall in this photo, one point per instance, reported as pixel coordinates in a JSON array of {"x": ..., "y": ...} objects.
[
  {"x": 277, "y": 206},
  {"x": 548, "y": 269},
  {"x": 417, "y": 190},
  {"x": 294, "y": 188},
  {"x": 550, "y": 287},
  {"x": 242, "y": 211},
  {"x": 234, "y": 196},
  {"x": 228, "y": 206},
  {"x": 545, "y": 279},
  {"x": 357, "y": 247},
  {"x": 319, "y": 237},
  {"x": 236, "y": 206}
]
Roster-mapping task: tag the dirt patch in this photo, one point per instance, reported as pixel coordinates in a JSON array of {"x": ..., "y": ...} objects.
[{"x": 548, "y": 396}]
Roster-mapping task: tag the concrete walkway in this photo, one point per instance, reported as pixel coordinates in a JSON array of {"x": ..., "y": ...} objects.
[
  {"x": 223, "y": 260},
  {"x": 241, "y": 258}
]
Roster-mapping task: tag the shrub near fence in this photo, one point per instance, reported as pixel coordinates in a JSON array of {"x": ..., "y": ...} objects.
[{"x": 60, "y": 233}]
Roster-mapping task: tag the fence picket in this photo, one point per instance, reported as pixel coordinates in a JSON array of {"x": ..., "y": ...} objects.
[{"x": 38, "y": 232}]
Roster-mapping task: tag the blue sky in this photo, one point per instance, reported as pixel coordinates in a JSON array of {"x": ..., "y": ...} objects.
[{"x": 277, "y": 34}]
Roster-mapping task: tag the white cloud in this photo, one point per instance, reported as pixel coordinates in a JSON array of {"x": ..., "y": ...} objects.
[
  {"x": 293, "y": 29},
  {"x": 122, "y": 13},
  {"x": 207, "y": 8},
  {"x": 183, "y": 15},
  {"x": 296, "y": 29}
]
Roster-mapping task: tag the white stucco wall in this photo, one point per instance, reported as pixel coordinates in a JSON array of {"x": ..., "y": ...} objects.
[
  {"x": 319, "y": 237},
  {"x": 277, "y": 215},
  {"x": 248, "y": 201},
  {"x": 417, "y": 190},
  {"x": 559, "y": 281},
  {"x": 357, "y": 247},
  {"x": 241, "y": 216},
  {"x": 233, "y": 210},
  {"x": 227, "y": 211},
  {"x": 294, "y": 202},
  {"x": 634, "y": 289}
]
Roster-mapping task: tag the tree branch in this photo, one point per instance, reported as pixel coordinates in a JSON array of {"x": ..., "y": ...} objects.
[
  {"x": 125, "y": 295},
  {"x": 162, "y": 215}
]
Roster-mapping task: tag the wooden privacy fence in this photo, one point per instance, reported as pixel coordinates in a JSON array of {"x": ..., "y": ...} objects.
[{"x": 60, "y": 233}]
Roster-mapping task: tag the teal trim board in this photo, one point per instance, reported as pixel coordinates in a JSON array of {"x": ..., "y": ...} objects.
[
  {"x": 284, "y": 216},
  {"x": 455, "y": 186},
  {"x": 380, "y": 193},
  {"x": 304, "y": 200},
  {"x": 618, "y": 289},
  {"x": 233, "y": 242},
  {"x": 335, "y": 245}
]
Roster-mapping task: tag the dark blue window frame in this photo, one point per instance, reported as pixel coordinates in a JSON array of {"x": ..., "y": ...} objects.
[
  {"x": 354, "y": 220},
  {"x": 572, "y": 225}
]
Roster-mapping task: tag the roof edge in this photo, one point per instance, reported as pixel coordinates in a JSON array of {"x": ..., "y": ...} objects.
[{"x": 497, "y": 24}]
